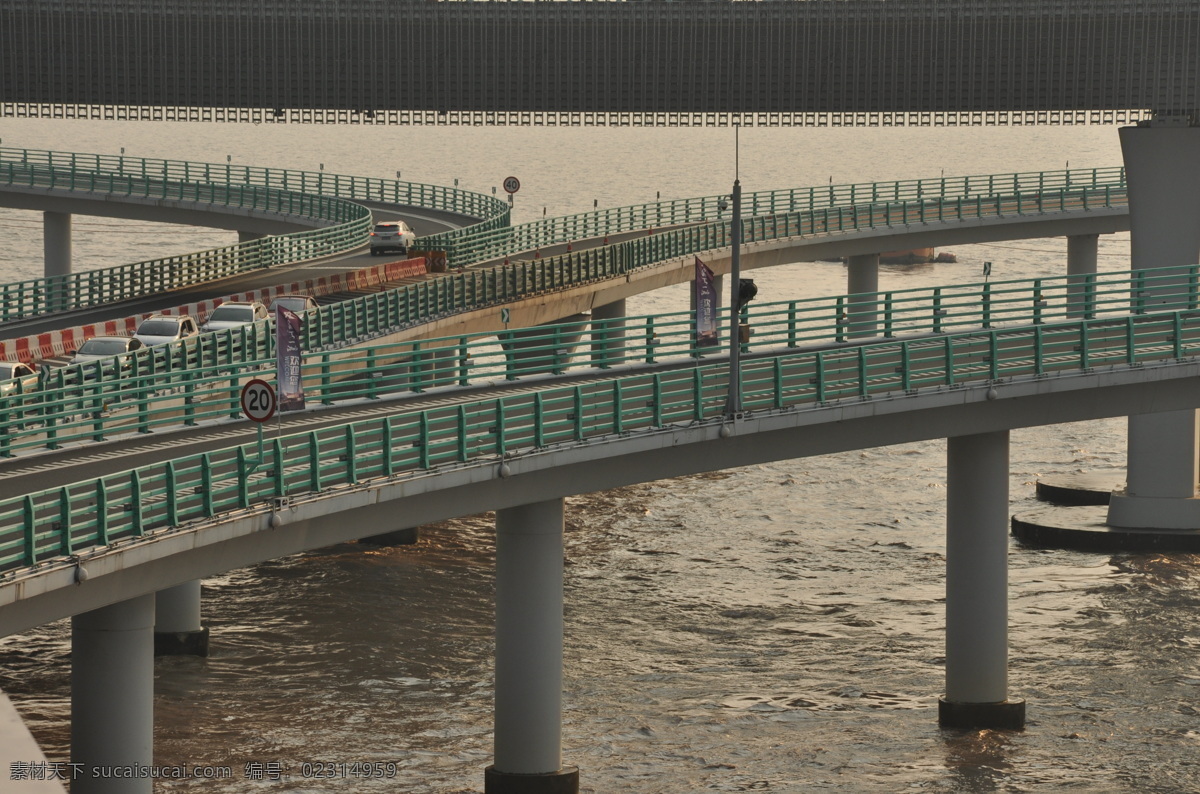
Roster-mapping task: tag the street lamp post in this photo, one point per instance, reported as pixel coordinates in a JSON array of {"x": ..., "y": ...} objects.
[{"x": 733, "y": 403}]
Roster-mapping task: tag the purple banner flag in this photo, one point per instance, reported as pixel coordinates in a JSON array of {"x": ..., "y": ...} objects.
[
  {"x": 705, "y": 292},
  {"x": 288, "y": 381}
]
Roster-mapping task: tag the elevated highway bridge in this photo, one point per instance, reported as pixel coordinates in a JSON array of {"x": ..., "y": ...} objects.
[
  {"x": 820, "y": 376},
  {"x": 785, "y": 226},
  {"x": 129, "y": 547}
]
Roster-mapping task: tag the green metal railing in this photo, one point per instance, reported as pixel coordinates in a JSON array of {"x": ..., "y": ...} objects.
[
  {"x": 72, "y": 519},
  {"x": 522, "y": 279},
  {"x": 201, "y": 379},
  {"x": 357, "y": 321},
  {"x": 349, "y": 226},
  {"x": 326, "y": 198},
  {"x": 492, "y": 210},
  {"x": 381, "y": 313},
  {"x": 944, "y": 198},
  {"x": 798, "y": 210}
]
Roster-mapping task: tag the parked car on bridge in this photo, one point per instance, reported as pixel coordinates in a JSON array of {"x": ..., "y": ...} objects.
[
  {"x": 294, "y": 303},
  {"x": 101, "y": 348},
  {"x": 233, "y": 314},
  {"x": 14, "y": 373},
  {"x": 392, "y": 236},
  {"x": 162, "y": 329}
]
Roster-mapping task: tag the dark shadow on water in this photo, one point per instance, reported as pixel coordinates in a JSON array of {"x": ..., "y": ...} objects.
[{"x": 979, "y": 760}]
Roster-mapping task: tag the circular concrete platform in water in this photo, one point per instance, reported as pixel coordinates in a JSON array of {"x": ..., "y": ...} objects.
[
  {"x": 1083, "y": 529},
  {"x": 1079, "y": 489}
]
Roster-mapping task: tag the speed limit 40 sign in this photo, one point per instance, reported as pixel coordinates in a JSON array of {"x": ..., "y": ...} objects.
[
  {"x": 512, "y": 184},
  {"x": 258, "y": 400}
]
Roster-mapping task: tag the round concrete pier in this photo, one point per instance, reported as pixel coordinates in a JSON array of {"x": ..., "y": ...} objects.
[
  {"x": 1084, "y": 529},
  {"x": 1078, "y": 489},
  {"x": 564, "y": 781},
  {"x": 1008, "y": 715},
  {"x": 181, "y": 643}
]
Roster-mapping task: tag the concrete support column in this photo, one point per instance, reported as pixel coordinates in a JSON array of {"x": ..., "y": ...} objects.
[
  {"x": 56, "y": 256},
  {"x": 608, "y": 341},
  {"x": 862, "y": 281},
  {"x": 56, "y": 243},
  {"x": 177, "y": 627},
  {"x": 1160, "y": 492},
  {"x": 441, "y": 365},
  {"x": 1162, "y": 168},
  {"x": 1081, "y": 262},
  {"x": 112, "y": 696},
  {"x": 529, "y": 637},
  {"x": 977, "y": 586},
  {"x": 543, "y": 348},
  {"x": 428, "y": 368}
]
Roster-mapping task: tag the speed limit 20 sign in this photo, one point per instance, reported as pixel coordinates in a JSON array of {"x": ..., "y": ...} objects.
[{"x": 258, "y": 400}]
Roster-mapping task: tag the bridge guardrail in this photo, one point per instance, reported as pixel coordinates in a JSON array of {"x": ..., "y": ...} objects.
[
  {"x": 494, "y": 237},
  {"x": 479, "y": 289},
  {"x": 55, "y": 524},
  {"x": 349, "y": 227},
  {"x": 518, "y": 280},
  {"x": 482, "y": 245},
  {"x": 328, "y": 197},
  {"x": 360, "y": 188},
  {"x": 200, "y": 380},
  {"x": 359, "y": 320}
]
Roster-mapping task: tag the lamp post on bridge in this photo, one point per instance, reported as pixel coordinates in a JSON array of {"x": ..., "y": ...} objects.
[{"x": 733, "y": 402}]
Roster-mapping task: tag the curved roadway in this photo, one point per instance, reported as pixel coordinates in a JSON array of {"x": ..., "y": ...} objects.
[
  {"x": 54, "y": 469},
  {"x": 424, "y": 221}
]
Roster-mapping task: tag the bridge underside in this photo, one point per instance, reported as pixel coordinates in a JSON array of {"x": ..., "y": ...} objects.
[{"x": 818, "y": 62}]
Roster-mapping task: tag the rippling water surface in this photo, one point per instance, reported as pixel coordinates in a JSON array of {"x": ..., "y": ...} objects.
[{"x": 771, "y": 628}]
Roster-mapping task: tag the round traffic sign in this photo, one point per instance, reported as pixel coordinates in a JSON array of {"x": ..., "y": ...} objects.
[
  {"x": 512, "y": 184},
  {"x": 258, "y": 400}
]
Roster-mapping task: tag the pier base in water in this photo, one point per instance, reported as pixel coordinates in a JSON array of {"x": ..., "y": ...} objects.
[
  {"x": 1086, "y": 528},
  {"x": 564, "y": 781},
  {"x": 1079, "y": 489},
  {"x": 1008, "y": 715},
  {"x": 181, "y": 643},
  {"x": 177, "y": 627}
]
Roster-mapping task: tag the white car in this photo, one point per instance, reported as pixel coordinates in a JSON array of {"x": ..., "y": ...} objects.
[
  {"x": 13, "y": 373},
  {"x": 391, "y": 236},
  {"x": 233, "y": 314},
  {"x": 299, "y": 304},
  {"x": 106, "y": 347},
  {"x": 162, "y": 329}
]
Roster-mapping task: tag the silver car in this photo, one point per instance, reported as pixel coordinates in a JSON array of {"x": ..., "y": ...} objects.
[
  {"x": 162, "y": 329},
  {"x": 233, "y": 314},
  {"x": 299, "y": 304},
  {"x": 101, "y": 348},
  {"x": 391, "y": 236}
]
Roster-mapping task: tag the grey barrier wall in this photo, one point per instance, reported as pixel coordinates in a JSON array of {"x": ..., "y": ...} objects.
[{"x": 831, "y": 61}]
